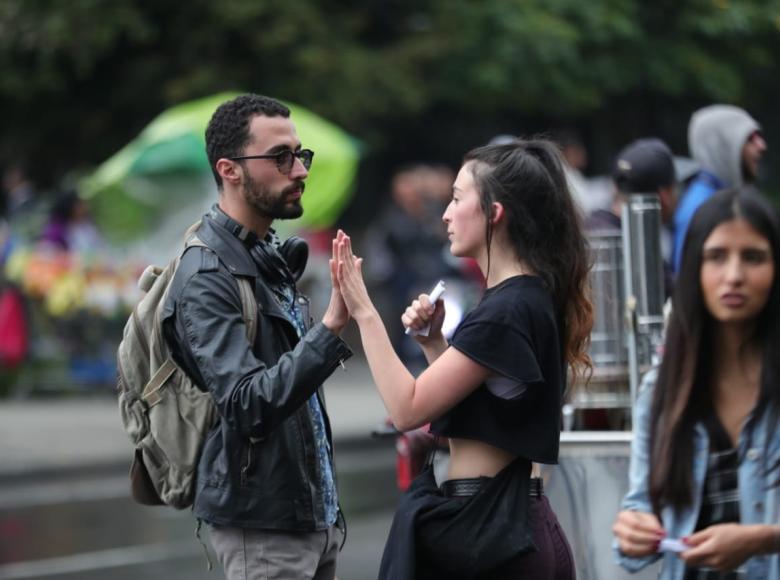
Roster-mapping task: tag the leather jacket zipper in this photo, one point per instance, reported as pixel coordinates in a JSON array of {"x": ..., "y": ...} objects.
[
  {"x": 246, "y": 462},
  {"x": 246, "y": 465}
]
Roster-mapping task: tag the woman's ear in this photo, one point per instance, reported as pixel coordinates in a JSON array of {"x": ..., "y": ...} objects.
[{"x": 497, "y": 212}]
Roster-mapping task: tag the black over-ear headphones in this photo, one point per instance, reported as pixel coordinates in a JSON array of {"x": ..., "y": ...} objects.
[{"x": 278, "y": 263}]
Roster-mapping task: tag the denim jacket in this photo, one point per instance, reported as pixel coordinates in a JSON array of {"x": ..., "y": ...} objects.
[{"x": 758, "y": 502}]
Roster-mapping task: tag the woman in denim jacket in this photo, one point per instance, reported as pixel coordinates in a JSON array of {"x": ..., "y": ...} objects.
[{"x": 706, "y": 449}]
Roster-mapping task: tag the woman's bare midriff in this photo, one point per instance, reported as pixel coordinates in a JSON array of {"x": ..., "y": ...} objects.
[{"x": 469, "y": 458}]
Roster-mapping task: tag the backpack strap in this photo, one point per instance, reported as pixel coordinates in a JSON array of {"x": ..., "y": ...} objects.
[
  {"x": 245, "y": 290},
  {"x": 249, "y": 307}
]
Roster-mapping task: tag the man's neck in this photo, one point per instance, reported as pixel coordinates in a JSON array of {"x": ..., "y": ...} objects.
[{"x": 244, "y": 215}]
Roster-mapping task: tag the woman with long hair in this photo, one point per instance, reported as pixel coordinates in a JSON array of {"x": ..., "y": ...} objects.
[
  {"x": 706, "y": 444},
  {"x": 496, "y": 389}
]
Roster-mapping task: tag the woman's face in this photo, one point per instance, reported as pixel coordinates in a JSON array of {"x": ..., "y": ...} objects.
[
  {"x": 737, "y": 272},
  {"x": 464, "y": 217}
]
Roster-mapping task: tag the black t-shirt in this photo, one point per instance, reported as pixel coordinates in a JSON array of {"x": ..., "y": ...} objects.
[{"x": 513, "y": 331}]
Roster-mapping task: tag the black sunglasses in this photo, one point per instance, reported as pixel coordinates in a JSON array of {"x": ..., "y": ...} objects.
[{"x": 284, "y": 159}]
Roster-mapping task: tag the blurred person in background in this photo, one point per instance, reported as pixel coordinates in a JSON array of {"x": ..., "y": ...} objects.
[
  {"x": 643, "y": 166},
  {"x": 265, "y": 480},
  {"x": 5, "y": 238},
  {"x": 728, "y": 145},
  {"x": 706, "y": 446},
  {"x": 496, "y": 390},
  {"x": 70, "y": 227},
  {"x": 406, "y": 245},
  {"x": 590, "y": 195},
  {"x": 24, "y": 210}
]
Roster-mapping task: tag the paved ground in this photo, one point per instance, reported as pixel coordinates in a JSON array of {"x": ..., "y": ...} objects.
[{"x": 77, "y": 433}]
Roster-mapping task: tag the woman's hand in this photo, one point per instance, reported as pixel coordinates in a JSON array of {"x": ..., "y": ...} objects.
[
  {"x": 350, "y": 280},
  {"x": 723, "y": 546},
  {"x": 422, "y": 312},
  {"x": 638, "y": 533},
  {"x": 336, "y": 316}
]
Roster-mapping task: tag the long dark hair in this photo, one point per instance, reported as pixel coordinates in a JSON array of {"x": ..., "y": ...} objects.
[
  {"x": 527, "y": 178},
  {"x": 681, "y": 396}
]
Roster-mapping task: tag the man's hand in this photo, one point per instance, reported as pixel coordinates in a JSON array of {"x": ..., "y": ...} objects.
[{"x": 336, "y": 316}]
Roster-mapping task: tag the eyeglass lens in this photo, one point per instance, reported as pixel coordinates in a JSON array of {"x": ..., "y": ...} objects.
[{"x": 286, "y": 159}]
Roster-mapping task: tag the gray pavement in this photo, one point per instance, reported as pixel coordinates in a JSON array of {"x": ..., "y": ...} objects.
[{"x": 79, "y": 433}]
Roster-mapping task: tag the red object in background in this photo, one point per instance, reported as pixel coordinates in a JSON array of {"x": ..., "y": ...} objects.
[
  {"x": 412, "y": 448},
  {"x": 13, "y": 329},
  {"x": 470, "y": 270},
  {"x": 319, "y": 240}
]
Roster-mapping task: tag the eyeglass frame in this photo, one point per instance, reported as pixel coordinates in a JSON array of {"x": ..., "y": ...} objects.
[{"x": 278, "y": 157}]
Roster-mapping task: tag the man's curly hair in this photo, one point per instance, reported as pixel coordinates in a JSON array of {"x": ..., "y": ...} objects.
[{"x": 228, "y": 131}]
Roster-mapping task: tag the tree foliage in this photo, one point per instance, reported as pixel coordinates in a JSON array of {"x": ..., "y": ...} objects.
[{"x": 80, "y": 78}]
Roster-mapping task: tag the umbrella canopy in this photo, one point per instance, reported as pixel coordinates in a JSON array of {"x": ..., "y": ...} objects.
[{"x": 165, "y": 170}]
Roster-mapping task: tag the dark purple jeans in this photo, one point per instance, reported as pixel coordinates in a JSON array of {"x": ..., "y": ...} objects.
[{"x": 552, "y": 561}]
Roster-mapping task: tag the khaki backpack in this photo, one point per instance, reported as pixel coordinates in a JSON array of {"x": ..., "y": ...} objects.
[{"x": 166, "y": 415}]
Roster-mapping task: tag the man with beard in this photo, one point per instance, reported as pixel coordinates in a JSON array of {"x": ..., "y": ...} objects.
[
  {"x": 728, "y": 145},
  {"x": 265, "y": 482}
]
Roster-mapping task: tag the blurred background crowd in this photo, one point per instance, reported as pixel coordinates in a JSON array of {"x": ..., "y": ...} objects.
[{"x": 104, "y": 106}]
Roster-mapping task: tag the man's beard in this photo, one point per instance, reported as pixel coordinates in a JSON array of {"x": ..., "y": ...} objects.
[{"x": 274, "y": 206}]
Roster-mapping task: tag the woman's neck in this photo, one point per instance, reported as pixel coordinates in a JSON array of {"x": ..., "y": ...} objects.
[
  {"x": 498, "y": 275},
  {"x": 503, "y": 264},
  {"x": 737, "y": 358}
]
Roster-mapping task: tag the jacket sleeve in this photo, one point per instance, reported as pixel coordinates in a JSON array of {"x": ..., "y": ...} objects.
[
  {"x": 252, "y": 398},
  {"x": 638, "y": 496}
]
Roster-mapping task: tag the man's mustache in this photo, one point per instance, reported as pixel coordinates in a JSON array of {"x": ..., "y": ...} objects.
[{"x": 298, "y": 185}]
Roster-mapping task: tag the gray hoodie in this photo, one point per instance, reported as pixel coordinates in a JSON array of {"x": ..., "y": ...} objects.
[{"x": 716, "y": 135}]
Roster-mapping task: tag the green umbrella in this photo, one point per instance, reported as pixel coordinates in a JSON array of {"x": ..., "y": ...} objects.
[{"x": 165, "y": 169}]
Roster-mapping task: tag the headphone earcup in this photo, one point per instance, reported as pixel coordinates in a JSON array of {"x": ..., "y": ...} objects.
[
  {"x": 295, "y": 252},
  {"x": 271, "y": 264}
]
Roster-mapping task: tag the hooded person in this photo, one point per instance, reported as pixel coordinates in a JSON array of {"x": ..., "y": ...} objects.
[{"x": 727, "y": 144}]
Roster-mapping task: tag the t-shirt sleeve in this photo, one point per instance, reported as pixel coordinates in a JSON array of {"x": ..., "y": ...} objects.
[{"x": 506, "y": 349}]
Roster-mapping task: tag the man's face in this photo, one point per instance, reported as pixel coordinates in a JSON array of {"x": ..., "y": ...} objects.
[
  {"x": 265, "y": 188},
  {"x": 752, "y": 152}
]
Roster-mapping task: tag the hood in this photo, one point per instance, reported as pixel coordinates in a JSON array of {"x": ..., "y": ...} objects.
[{"x": 716, "y": 135}]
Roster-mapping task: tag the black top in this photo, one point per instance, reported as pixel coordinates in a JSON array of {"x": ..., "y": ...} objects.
[{"x": 513, "y": 331}]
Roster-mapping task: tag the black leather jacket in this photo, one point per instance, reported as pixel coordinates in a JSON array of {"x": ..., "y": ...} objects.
[{"x": 258, "y": 468}]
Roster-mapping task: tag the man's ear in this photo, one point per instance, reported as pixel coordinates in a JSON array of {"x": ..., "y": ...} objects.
[
  {"x": 229, "y": 171},
  {"x": 497, "y": 212}
]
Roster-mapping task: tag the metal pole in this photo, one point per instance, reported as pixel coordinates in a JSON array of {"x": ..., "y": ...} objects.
[{"x": 643, "y": 263}]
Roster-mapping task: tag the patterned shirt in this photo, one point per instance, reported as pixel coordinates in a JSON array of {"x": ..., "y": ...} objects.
[
  {"x": 720, "y": 503},
  {"x": 326, "y": 500}
]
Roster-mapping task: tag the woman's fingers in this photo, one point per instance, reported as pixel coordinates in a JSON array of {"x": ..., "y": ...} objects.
[
  {"x": 411, "y": 317},
  {"x": 419, "y": 313},
  {"x": 641, "y": 522},
  {"x": 638, "y": 533}
]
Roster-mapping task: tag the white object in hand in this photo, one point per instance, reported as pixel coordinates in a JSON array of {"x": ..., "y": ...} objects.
[
  {"x": 435, "y": 294},
  {"x": 672, "y": 545}
]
